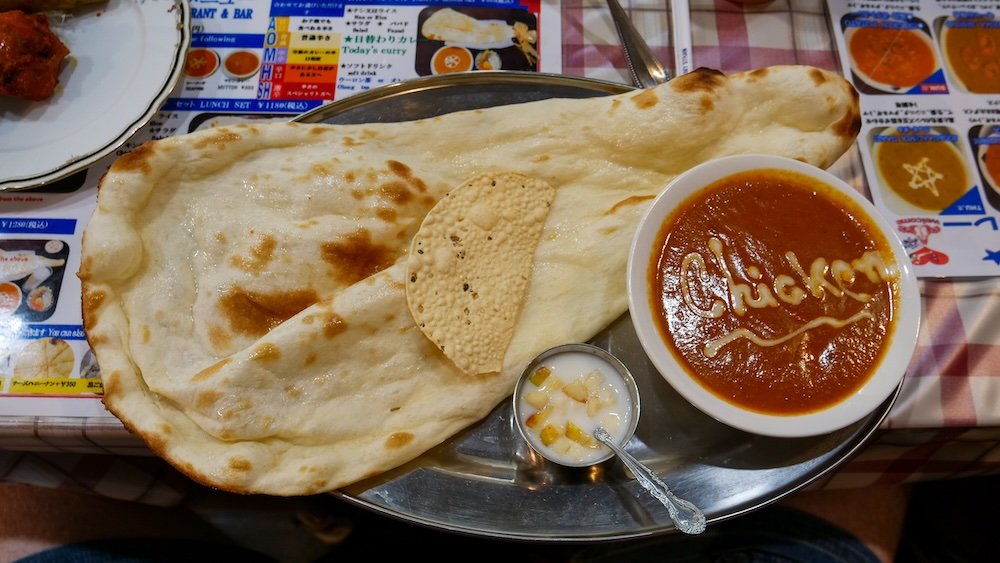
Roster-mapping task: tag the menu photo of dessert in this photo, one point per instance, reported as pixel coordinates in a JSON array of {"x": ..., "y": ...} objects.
[
  {"x": 475, "y": 39},
  {"x": 31, "y": 274}
]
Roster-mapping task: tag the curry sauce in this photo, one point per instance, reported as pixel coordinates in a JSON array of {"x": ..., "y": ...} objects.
[{"x": 774, "y": 291}]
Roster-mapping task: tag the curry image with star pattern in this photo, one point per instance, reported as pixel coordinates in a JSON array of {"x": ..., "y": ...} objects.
[{"x": 920, "y": 168}]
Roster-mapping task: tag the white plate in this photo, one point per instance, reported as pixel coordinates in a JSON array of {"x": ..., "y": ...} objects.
[{"x": 125, "y": 58}]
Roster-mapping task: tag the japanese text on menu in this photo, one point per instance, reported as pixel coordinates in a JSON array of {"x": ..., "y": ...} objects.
[
  {"x": 291, "y": 56},
  {"x": 928, "y": 73}
]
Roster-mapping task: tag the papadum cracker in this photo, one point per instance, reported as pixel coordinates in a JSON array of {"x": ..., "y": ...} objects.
[{"x": 470, "y": 263}]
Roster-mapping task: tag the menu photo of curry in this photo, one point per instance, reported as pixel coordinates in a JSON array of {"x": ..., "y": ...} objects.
[
  {"x": 985, "y": 142},
  {"x": 475, "y": 39},
  {"x": 922, "y": 171},
  {"x": 971, "y": 48},
  {"x": 892, "y": 53},
  {"x": 31, "y": 274}
]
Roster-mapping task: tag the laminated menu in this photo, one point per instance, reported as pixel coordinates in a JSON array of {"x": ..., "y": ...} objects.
[
  {"x": 46, "y": 366},
  {"x": 284, "y": 55},
  {"x": 249, "y": 60},
  {"x": 928, "y": 73}
]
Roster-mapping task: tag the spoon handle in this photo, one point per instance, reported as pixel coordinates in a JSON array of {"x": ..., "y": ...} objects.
[
  {"x": 645, "y": 69},
  {"x": 686, "y": 516}
]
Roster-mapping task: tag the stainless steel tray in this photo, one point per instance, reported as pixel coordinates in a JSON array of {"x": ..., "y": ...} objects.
[{"x": 486, "y": 481}]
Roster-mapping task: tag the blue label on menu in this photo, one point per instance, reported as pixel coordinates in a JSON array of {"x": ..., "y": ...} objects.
[
  {"x": 251, "y": 40},
  {"x": 968, "y": 204},
  {"x": 65, "y": 332},
  {"x": 241, "y": 106},
  {"x": 282, "y": 8},
  {"x": 314, "y": 8},
  {"x": 29, "y": 225}
]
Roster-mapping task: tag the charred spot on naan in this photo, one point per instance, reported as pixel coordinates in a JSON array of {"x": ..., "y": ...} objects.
[
  {"x": 112, "y": 383},
  {"x": 321, "y": 169},
  {"x": 356, "y": 256},
  {"x": 206, "y": 398},
  {"x": 265, "y": 352},
  {"x": 219, "y": 337},
  {"x": 93, "y": 299},
  {"x": 397, "y": 440},
  {"x": 405, "y": 172},
  {"x": 699, "y": 80},
  {"x": 255, "y": 313},
  {"x": 260, "y": 256},
  {"x": 849, "y": 125},
  {"x": 756, "y": 75},
  {"x": 645, "y": 99},
  {"x": 239, "y": 463},
  {"x": 629, "y": 202},
  {"x": 219, "y": 138},
  {"x": 818, "y": 76},
  {"x": 137, "y": 160},
  {"x": 386, "y": 214},
  {"x": 211, "y": 370},
  {"x": 332, "y": 323},
  {"x": 396, "y": 191}
]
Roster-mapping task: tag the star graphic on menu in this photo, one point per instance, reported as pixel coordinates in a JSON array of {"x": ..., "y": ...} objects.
[
  {"x": 993, "y": 255},
  {"x": 923, "y": 176}
]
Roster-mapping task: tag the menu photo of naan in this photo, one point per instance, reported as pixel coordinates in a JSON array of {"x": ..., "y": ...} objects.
[
  {"x": 33, "y": 269},
  {"x": 475, "y": 39},
  {"x": 45, "y": 358}
]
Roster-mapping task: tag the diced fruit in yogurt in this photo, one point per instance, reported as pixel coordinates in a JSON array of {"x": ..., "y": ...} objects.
[
  {"x": 577, "y": 390},
  {"x": 549, "y": 434},
  {"x": 562, "y": 446},
  {"x": 566, "y": 400},
  {"x": 540, "y": 375},
  {"x": 593, "y": 380},
  {"x": 537, "y": 399},
  {"x": 536, "y": 419},
  {"x": 553, "y": 384},
  {"x": 579, "y": 435},
  {"x": 594, "y": 404}
]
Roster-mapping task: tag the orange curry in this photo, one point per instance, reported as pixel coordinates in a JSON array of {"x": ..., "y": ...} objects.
[
  {"x": 242, "y": 63},
  {"x": 973, "y": 50},
  {"x": 895, "y": 57},
  {"x": 991, "y": 162},
  {"x": 774, "y": 291}
]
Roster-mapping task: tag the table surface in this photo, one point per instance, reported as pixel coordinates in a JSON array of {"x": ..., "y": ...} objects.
[{"x": 946, "y": 422}]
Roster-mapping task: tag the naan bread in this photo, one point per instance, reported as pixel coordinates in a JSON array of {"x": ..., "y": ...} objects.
[{"x": 244, "y": 291}]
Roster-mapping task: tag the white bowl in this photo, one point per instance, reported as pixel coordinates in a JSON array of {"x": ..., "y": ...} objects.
[{"x": 888, "y": 371}]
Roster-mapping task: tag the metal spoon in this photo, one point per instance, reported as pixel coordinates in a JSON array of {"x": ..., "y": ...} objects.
[
  {"x": 645, "y": 69},
  {"x": 687, "y": 517}
]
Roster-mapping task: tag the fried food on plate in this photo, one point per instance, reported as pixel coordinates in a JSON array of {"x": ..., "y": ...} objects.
[
  {"x": 30, "y": 56},
  {"x": 45, "y": 5},
  {"x": 245, "y": 287}
]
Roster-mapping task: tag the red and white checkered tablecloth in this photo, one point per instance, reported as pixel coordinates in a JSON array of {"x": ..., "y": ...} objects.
[{"x": 946, "y": 422}]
